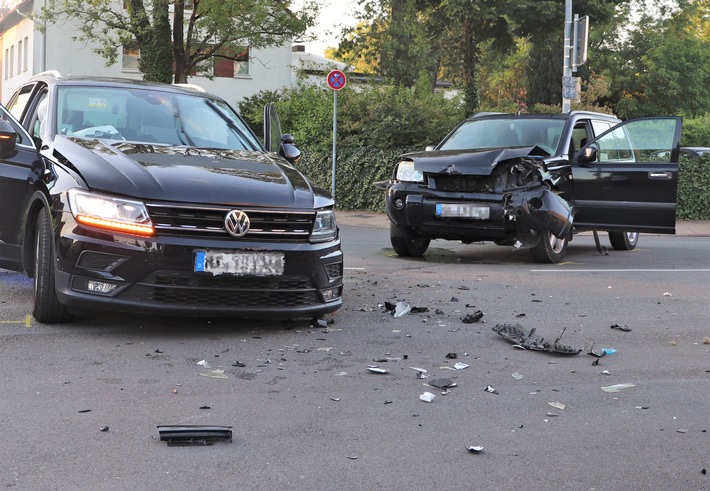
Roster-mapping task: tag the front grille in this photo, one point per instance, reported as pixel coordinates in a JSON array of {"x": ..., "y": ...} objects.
[
  {"x": 209, "y": 222},
  {"x": 459, "y": 183},
  {"x": 168, "y": 288}
]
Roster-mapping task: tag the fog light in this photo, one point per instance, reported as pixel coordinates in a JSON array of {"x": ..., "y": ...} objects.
[
  {"x": 331, "y": 294},
  {"x": 95, "y": 286},
  {"x": 398, "y": 203}
]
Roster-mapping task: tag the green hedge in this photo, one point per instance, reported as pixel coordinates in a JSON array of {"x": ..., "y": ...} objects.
[
  {"x": 357, "y": 168},
  {"x": 694, "y": 188}
]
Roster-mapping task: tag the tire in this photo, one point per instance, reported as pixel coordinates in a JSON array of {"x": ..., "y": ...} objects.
[
  {"x": 624, "y": 241},
  {"x": 47, "y": 307},
  {"x": 551, "y": 249},
  {"x": 405, "y": 243}
]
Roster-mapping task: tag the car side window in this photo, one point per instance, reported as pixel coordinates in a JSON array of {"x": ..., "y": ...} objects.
[
  {"x": 580, "y": 137},
  {"x": 21, "y": 138},
  {"x": 18, "y": 102},
  {"x": 615, "y": 146}
]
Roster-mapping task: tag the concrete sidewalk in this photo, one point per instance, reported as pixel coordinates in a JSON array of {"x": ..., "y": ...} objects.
[{"x": 687, "y": 228}]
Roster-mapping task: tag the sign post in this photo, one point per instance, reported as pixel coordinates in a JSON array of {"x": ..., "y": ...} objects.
[{"x": 336, "y": 81}]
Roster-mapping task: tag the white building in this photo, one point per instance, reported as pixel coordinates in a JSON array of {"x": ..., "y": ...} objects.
[{"x": 25, "y": 51}]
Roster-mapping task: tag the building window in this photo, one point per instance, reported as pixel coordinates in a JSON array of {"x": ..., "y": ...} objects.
[
  {"x": 7, "y": 58},
  {"x": 131, "y": 54},
  {"x": 19, "y": 56},
  {"x": 232, "y": 63},
  {"x": 11, "y": 63},
  {"x": 25, "y": 55}
]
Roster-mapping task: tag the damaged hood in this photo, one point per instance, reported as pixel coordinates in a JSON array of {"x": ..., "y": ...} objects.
[
  {"x": 468, "y": 162},
  {"x": 160, "y": 172}
]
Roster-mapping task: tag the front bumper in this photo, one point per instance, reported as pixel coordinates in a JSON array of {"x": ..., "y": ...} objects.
[
  {"x": 157, "y": 276},
  {"x": 521, "y": 214}
]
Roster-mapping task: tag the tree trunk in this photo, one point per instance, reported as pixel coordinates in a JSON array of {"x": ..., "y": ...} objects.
[{"x": 179, "y": 55}]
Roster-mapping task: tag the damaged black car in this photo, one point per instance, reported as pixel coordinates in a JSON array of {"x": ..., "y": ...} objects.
[
  {"x": 533, "y": 180},
  {"x": 131, "y": 196}
]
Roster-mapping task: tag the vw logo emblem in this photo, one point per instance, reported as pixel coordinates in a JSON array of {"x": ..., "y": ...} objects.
[{"x": 237, "y": 223}]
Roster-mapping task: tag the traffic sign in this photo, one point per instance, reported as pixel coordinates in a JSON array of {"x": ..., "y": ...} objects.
[{"x": 336, "y": 80}]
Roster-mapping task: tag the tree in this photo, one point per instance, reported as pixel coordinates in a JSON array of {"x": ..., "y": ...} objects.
[
  {"x": 542, "y": 23},
  {"x": 664, "y": 65},
  {"x": 201, "y": 30}
]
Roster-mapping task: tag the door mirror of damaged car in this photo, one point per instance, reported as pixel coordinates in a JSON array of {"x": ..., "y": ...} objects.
[
  {"x": 430, "y": 148},
  {"x": 588, "y": 154},
  {"x": 8, "y": 138}
]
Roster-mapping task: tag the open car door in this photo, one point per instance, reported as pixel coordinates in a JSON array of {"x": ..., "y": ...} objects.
[
  {"x": 276, "y": 141},
  {"x": 627, "y": 178}
]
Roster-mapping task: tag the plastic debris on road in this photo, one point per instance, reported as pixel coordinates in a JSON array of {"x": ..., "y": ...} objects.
[
  {"x": 427, "y": 397},
  {"x": 472, "y": 318},
  {"x": 379, "y": 370},
  {"x": 517, "y": 376},
  {"x": 617, "y": 387},
  {"x": 203, "y": 363},
  {"x": 621, "y": 327},
  {"x": 402, "y": 309},
  {"x": 214, "y": 374},
  {"x": 516, "y": 335},
  {"x": 442, "y": 383},
  {"x": 490, "y": 389},
  {"x": 557, "y": 405},
  {"x": 475, "y": 449},
  {"x": 461, "y": 366}
]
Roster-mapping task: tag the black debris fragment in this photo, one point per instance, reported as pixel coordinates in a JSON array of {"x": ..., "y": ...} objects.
[
  {"x": 190, "y": 435},
  {"x": 205, "y": 407},
  {"x": 452, "y": 356},
  {"x": 85, "y": 410},
  {"x": 442, "y": 383},
  {"x": 419, "y": 310},
  {"x": 515, "y": 334},
  {"x": 238, "y": 364},
  {"x": 472, "y": 318},
  {"x": 454, "y": 299},
  {"x": 159, "y": 351},
  {"x": 104, "y": 428},
  {"x": 621, "y": 327},
  {"x": 489, "y": 388}
]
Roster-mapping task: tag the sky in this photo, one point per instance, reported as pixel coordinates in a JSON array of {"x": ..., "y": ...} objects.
[{"x": 333, "y": 17}]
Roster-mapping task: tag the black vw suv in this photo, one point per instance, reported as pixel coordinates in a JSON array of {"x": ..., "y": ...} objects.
[{"x": 126, "y": 195}]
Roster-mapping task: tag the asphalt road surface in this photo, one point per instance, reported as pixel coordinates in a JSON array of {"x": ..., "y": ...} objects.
[{"x": 307, "y": 414}]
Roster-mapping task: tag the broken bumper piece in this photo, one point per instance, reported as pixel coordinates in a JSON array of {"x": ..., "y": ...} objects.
[
  {"x": 194, "y": 434},
  {"x": 515, "y": 334}
]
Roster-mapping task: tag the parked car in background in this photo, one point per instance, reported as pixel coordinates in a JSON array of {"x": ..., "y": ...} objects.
[
  {"x": 133, "y": 196},
  {"x": 532, "y": 180}
]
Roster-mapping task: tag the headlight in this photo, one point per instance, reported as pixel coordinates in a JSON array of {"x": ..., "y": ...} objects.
[
  {"x": 324, "y": 227},
  {"x": 406, "y": 172},
  {"x": 110, "y": 213}
]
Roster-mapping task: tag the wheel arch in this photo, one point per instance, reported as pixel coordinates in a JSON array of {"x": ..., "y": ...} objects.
[{"x": 38, "y": 201}]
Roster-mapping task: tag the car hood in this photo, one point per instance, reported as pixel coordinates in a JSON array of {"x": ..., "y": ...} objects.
[
  {"x": 185, "y": 174},
  {"x": 469, "y": 162}
]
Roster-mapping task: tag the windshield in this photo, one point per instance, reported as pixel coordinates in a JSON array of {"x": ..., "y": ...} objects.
[
  {"x": 505, "y": 133},
  {"x": 151, "y": 116}
]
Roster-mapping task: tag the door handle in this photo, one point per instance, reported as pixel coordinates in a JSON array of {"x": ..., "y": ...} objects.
[{"x": 660, "y": 175}]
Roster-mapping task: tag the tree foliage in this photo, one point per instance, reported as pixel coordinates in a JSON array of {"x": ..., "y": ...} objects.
[{"x": 201, "y": 30}]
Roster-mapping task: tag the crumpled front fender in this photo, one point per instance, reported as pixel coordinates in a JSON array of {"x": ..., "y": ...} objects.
[{"x": 536, "y": 212}]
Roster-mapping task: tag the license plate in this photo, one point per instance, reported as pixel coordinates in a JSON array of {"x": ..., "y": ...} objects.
[
  {"x": 240, "y": 263},
  {"x": 452, "y": 210}
]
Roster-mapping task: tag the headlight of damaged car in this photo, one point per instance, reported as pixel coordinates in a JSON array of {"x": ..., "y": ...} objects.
[
  {"x": 110, "y": 213},
  {"x": 324, "y": 227},
  {"x": 407, "y": 173}
]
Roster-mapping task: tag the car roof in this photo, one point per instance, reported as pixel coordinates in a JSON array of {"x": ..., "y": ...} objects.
[{"x": 564, "y": 116}]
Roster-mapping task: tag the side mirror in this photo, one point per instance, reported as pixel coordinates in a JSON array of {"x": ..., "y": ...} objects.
[
  {"x": 588, "y": 154},
  {"x": 288, "y": 148},
  {"x": 429, "y": 148},
  {"x": 8, "y": 138}
]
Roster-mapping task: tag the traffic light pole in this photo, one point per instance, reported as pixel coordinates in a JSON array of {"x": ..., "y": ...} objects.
[{"x": 568, "y": 82}]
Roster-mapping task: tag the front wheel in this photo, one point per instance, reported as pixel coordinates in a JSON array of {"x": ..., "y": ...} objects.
[
  {"x": 550, "y": 249},
  {"x": 405, "y": 243},
  {"x": 47, "y": 308},
  {"x": 623, "y": 241}
]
